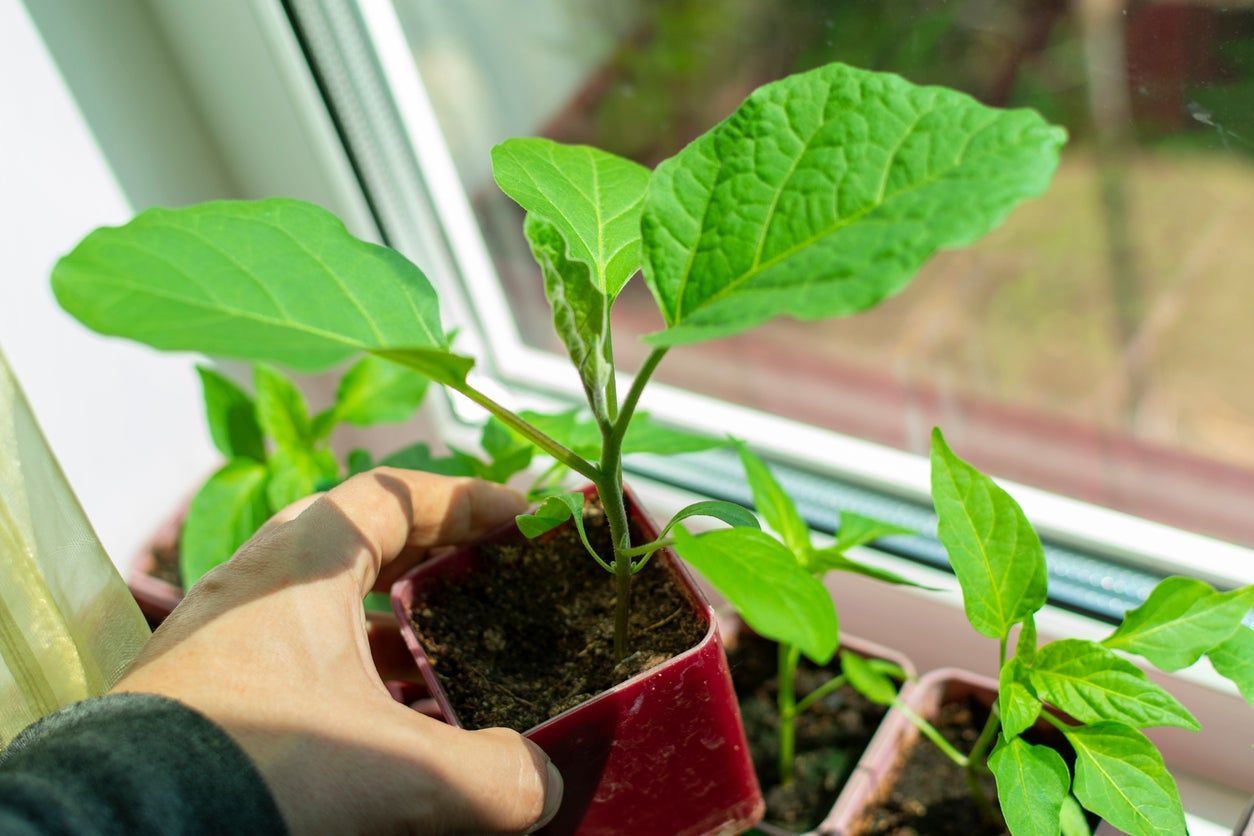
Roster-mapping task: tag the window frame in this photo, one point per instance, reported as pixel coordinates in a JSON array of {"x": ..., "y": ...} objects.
[{"x": 469, "y": 273}]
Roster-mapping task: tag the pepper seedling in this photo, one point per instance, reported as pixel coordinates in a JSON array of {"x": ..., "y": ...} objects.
[
  {"x": 775, "y": 583},
  {"x": 276, "y": 452},
  {"x": 1104, "y": 699},
  {"x": 820, "y": 196}
]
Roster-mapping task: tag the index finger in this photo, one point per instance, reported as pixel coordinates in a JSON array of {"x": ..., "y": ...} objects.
[{"x": 371, "y": 518}]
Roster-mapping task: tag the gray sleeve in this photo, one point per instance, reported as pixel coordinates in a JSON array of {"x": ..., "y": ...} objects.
[{"x": 131, "y": 764}]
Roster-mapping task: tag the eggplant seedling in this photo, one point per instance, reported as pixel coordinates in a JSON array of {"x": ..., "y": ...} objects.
[
  {"x": 774, "y": 581},
  {"x": 1104, "y": 699},
  {"x": 821, "y": 195}
]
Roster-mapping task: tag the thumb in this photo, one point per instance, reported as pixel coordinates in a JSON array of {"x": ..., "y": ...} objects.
[{"x": 493, "y": 780}]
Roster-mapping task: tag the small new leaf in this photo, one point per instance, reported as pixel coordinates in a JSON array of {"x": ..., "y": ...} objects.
[
  {"x": 1120, "y": 776},
  {"x": 228, "y": 509},
  {"x": 832, "y": 559},
  {"x": 729, "y": 512},
  {"x": 1074, "y": 822},
  {"x": 1032, "y": 784},
  {"x": 773, "y": 593},
  {"x": 419, "y": 457},
  {"x": 996, "y": 555},
  {"x": 775, "y": 506},
  {"x": 232, "y": 417},
  {"x": 1180, "y": 620},
  {"x": 281, "y": 409},
  {"x": 1092, "y": 683},
  {"x": 866, "y": 680},
  {"x": 554, "y": 511},
  {"x": 1016, "y": 700},
  {"x": 297, "y": 472},
  {"x": 857, "y": 530},
  {"x": 591, "y": 197}
]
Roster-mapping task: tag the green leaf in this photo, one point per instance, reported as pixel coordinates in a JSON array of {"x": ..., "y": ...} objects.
[
  {"x": 1234, "y": 659},
  {"x": 866, "y": 680},
  {"x": 1016, "y": 700},
  {"x": 775, "y": 506},
  {"x": 824, "y": 193},
  {"x": 440, "y": 365},
  {"x": 419, "y": 457},
  {"x": 1180, "y": 620},
  {"x": 579, "y": 433},
  {"x": 581, "y": 310},
  {"x": 1092, "y": 683},
  {"x": 377, "y": 602},
  {"x": 359, "y": 461},
  {"x": 1025, "y": 647},
  {"x": 232, "y": 417},
  {"x": 1120, "y": 776},
  {"x": 1032, "y": 783},
  {"x": 280, "y": 281},
  {"x": 994, "y": 551},
  {"x": 593, "y": 198},
  {"x": 1073, "y": 821},
  {"x": 832, "y": 559},
  {"x": 729, "y": 512},
  {"x": 857, "y": 530},
  {"x": 376, "y": 391},
  {"x": 296, "y": 472},
  {"x": 773, "y": 593},
  {"x": 508, "y": 453},
  {"x": 554, "y": 511},
  {"x": 281, "y": 408},
  {"x": 226, "y": 511}
]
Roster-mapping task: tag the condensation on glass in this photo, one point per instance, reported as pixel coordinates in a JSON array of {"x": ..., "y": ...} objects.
[
  {"x": 68, "y": 625},
  {"x": 1096, "y": 345}
]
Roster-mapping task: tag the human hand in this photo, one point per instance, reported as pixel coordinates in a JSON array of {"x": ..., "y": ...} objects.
[{"x": 273, "y": 647}]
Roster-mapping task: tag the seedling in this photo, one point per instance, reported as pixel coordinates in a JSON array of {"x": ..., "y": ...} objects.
[
  {"x": 775, "y": 584},
  {"x": 1119, "y": 774},
  {"x": 819, "y": 197},
  {"x": 276, "y": 452}
]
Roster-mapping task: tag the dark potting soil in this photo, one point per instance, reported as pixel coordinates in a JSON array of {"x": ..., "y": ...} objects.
[
  {"x": 533, "y": 637},
  {"x": 927, "y": 792},
  {"x": 831, "y": 734}
]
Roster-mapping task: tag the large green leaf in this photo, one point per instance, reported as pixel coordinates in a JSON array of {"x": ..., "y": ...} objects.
[
  {"x": 1180, "y": 620},
  {"x": 281, "y": 409},
  {"x": 994, "y": 551},
  {"x": 419, "y": 457},
  {"x": 1235, "y": 660},
  {"x": 232, "y": 417},
  {"x": 273, "y": 280},
  {"x": 377, "y": 391},
  {"x": 824, "y": 193},
  {"x": 1092, "y": 683},
  {"x": 581, "y": 311},
  {"x": 773, "y": 593},
  {"x": 591, "y": 197},
  {"x": 228, "y": 509},
  {"x": 1032, "y": 782},
  {"x": 1120, "y": 776},
  {"x": 297, "y": 472},
  {"x": 775, "y": 506}
]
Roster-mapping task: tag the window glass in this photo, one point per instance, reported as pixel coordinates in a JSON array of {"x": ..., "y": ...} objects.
[{"x": 1096, "y": 345}]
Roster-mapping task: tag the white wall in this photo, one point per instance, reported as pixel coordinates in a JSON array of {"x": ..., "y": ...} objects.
[{"x": 124, "y": 421}]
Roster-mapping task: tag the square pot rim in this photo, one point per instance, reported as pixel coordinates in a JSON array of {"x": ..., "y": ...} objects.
[{"x": 403, "y": 590}]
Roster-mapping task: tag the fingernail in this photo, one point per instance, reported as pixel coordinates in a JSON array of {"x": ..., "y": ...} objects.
[{"x": 552, "y": 798}]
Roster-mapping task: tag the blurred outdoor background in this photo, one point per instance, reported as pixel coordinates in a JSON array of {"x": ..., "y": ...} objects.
[{"x": 1097, "y": 345}]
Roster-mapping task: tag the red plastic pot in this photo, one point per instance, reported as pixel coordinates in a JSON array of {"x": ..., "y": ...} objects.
[
  {"x": 158, "y": 598},
  {"x": 661, "y": 753},
  {"x": 735, "y": 627}
]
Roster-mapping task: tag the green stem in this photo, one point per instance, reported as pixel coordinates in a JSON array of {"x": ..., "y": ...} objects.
[
  {"x": 929, "y": 731},
  {"x": 786, "y": 684},
  {"x": 820, "y": 692},
  {"x": 610, "y": 489},
  {"x": 555, "y": 449},
  {"x": 637, "y": 389}
]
